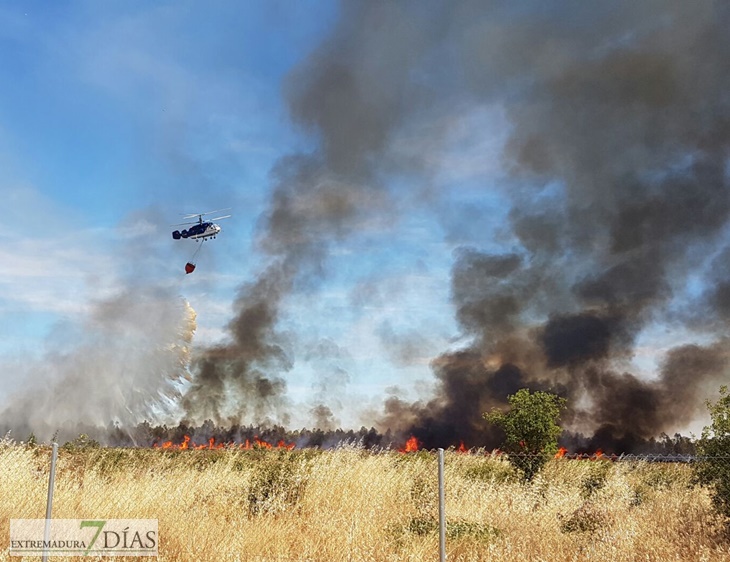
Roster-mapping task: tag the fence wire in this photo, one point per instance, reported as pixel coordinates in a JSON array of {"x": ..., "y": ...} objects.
[{"x": 356, "y": 504}]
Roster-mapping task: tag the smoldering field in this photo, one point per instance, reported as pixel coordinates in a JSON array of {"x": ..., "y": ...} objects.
[{"x": 355, "y": 504}]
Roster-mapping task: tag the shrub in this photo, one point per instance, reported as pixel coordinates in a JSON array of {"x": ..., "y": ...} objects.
[
  {"x": 712, "y": 468},
  {"x": 531, "y": 429}
]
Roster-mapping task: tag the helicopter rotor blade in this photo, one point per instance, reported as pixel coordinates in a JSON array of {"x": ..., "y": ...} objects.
[
  {"x": 219, "y": 218},
  {"x": 190, "y": 216}
]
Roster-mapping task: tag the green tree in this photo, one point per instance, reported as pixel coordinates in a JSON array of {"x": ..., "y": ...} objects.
[
  {"x": 712, "y": 468},
  {"x": 531, "y": 429}
]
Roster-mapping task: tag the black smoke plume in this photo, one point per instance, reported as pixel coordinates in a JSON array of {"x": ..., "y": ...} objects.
[
  {"x": 617, "y": 157},
  {"x": 620, "y": 136}
]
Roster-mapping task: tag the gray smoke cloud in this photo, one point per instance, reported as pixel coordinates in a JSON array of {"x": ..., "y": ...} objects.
[
  {"x": 123, "y": 364},
  {"x": 620, "y": 139},
  {"x": 317, "y": 199},
  {"x": 617, "y": 175},
  {"x": 240, "y": 369}
]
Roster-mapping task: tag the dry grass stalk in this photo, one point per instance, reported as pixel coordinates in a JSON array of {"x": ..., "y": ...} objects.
[{"x": 354, "y": 505}]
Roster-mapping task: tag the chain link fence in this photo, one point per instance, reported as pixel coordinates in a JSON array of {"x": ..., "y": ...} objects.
[{"x": 351, "y": 503}]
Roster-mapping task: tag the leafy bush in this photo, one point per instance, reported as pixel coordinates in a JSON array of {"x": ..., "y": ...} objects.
[
  {"x": 713, "y": 466},
  {"x": 531, "y": 429}
]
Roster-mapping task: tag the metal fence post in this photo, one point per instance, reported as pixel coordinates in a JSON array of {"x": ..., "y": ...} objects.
[
  {"x": 442, "y": 509},
  {"x": 49, "y": 504}
]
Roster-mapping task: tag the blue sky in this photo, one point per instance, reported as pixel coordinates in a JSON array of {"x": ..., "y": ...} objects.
[{"x": 117, "y": 118}]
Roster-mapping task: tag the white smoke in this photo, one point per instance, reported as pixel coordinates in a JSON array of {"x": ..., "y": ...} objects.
[{"x": 125, "y": 364}]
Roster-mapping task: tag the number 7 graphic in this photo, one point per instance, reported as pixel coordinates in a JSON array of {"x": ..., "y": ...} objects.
[{"x": 99, "y": 525}]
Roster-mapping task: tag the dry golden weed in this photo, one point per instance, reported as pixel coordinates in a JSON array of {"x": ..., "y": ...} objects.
[{"x": 350, "y": 504}]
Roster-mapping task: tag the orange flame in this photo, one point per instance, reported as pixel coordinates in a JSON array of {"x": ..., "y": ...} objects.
[
  {"x": 411, "y": 445},
  {"x": 212, "y": 445},
  {"x": 461, "y": 448},
  {"x": 561, "y": 453}
]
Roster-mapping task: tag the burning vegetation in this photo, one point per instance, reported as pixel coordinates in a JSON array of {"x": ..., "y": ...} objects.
[
  {"x": 212, "y": 445},
  {"x": 618, "y": 141},
  {"x": 210, "y": 437},
  {"x": 616, "y": 195}
]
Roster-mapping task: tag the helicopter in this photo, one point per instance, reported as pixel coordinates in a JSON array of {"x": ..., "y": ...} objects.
[{"x": 201, "y": 229}]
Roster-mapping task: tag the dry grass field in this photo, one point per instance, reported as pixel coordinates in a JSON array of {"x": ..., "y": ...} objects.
[{"x": 351, "y": 504}]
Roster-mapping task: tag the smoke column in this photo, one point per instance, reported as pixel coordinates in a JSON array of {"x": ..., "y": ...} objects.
[
  {"x": 619, "y": 141},
  {"x": 617, "y": 177},
  {"x": 317, "y": 198},
  {"x": 124, "y": 364}
]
